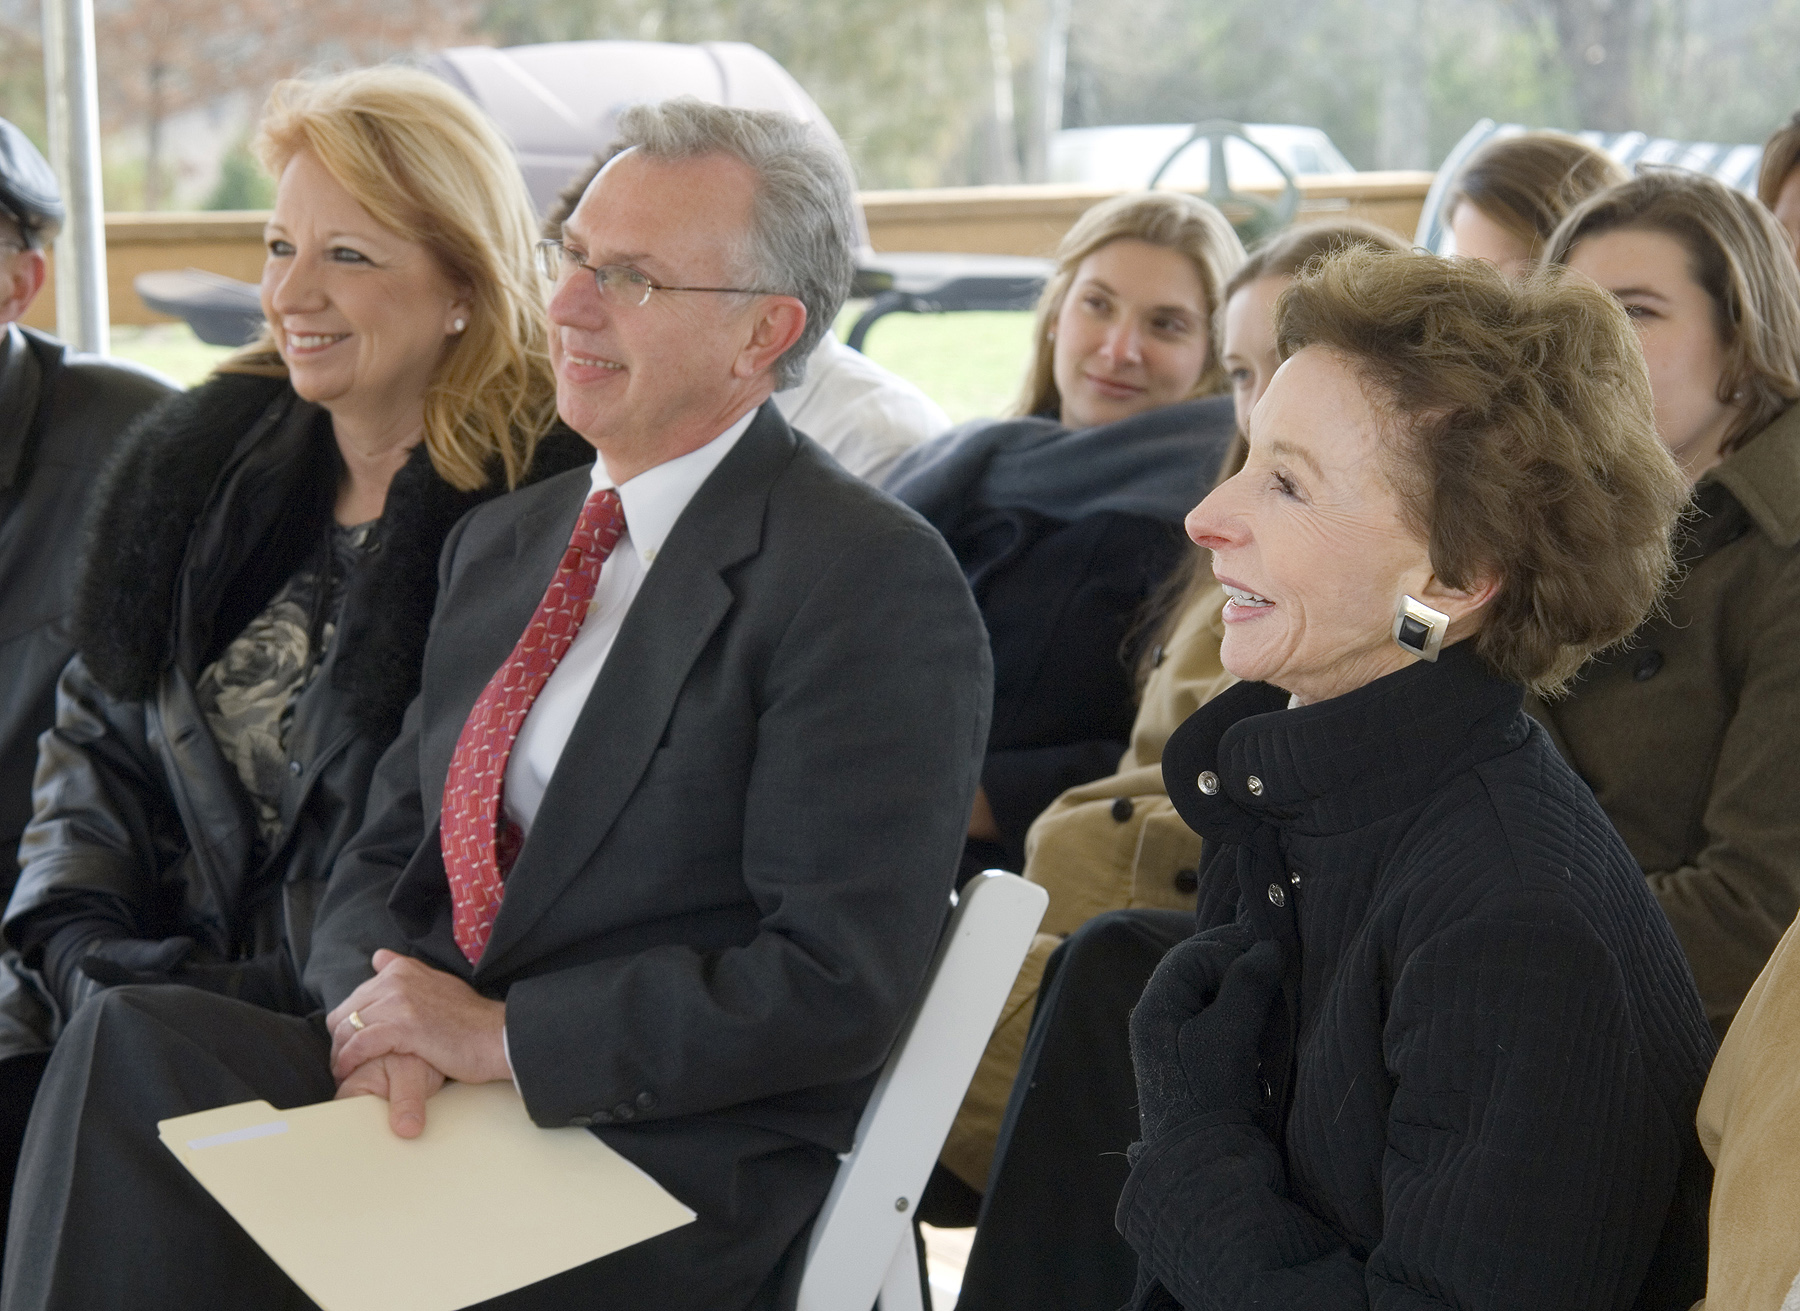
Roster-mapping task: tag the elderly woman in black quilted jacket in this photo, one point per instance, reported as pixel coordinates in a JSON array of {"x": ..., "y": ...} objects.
[{"x": 1434, "y": 1045}]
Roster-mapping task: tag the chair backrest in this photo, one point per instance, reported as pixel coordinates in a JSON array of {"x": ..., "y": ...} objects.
[{"x": 868, "y": 1213}]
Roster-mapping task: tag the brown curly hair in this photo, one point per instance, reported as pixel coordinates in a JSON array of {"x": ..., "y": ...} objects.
[
  {"x": 1280, "y": 256},
  {"x": 1525, "y": 443}
]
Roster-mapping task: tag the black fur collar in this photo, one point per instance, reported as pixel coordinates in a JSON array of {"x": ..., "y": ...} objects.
[{"x": 150, "y": 500}]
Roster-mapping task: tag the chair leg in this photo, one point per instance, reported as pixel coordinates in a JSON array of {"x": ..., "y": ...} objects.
[{"x": 900, "y": 1289}]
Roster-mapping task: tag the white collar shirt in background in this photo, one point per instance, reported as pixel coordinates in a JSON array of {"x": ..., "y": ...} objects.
[
  {"x": 653, "y": 501},
  {"x": 865, "y": 416}
]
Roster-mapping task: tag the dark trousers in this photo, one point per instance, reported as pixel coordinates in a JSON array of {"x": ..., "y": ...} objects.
[
  {"x": 104, "y": 1216},
  {"x": 19, "y": 1076},
  {"x": 1046, "y": 1239}
]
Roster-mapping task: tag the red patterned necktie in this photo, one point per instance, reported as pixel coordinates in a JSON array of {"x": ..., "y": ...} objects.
[{"x": 479, "y": 844}]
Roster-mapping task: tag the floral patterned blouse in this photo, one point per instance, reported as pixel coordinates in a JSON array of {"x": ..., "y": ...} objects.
[{"x": 248, "y": 693}]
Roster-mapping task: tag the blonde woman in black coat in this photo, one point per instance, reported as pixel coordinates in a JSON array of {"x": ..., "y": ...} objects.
[
  {"x": 1434, "y": 1044},
  {"x": 262, "y": 558}
]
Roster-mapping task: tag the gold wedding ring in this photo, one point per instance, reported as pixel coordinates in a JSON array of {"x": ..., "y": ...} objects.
[{"x": 356, "y": 1021}]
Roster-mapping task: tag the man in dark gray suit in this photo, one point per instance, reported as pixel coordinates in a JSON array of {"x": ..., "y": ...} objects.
[{"x": 668, "y": 835}]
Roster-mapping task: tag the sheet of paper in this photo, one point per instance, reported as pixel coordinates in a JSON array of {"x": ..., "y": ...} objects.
[{"x": 481, "y": 1203}]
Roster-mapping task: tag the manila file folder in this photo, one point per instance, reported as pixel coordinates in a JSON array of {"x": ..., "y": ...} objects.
[{"x": 481, "y": 1203}]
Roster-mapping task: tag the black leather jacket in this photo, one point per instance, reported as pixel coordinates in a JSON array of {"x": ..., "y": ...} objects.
[{"x": 142, "y": 829}]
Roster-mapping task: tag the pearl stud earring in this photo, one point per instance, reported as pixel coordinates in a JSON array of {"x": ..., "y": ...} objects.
[{"x": 458, "y": 325}]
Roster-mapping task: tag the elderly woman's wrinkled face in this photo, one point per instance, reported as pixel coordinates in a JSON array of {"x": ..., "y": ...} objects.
[
  {"x": 1131, "y": 335},
  {"x": 361, "y": 315},
  {"x": 1652, "y": 277},
  {"x": 1480, "y": 237},
  {"x": 1251, "y": 355},
  {"x": 1309, "y": 541}
]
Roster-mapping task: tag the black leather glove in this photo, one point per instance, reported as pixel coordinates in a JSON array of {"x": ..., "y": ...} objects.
[
  {"x": 1194, "y": 1032},
  {"x": 261, "y": 980}
]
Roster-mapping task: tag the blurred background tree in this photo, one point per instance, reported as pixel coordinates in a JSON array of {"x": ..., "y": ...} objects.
[{"x": 950, "y": 92}]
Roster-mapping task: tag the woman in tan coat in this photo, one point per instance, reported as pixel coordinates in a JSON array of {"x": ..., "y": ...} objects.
[
  {"x": 1749, "y": 1124},
  {"x": 1116, "y": 843},
  {"x": 1688, "y": 733}
]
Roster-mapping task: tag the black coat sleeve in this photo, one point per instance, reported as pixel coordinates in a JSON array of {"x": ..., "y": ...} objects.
[
  {"x": 104, "y": 829},
  {"x": 1527, "y": 1161}
]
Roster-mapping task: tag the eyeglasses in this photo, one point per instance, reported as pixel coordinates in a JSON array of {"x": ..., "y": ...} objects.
[{"x": 619, "y": 283}]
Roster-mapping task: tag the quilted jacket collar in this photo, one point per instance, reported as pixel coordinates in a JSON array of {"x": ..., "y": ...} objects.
[{"x": 1340, "y": 764}]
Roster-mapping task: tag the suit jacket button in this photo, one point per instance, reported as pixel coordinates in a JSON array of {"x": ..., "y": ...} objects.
[
  {"x": 1121, "y": 809},
  {"x": 580, "y": 1121},
  {"x": 602, "y": 1117},
  {"x": 1187, "y": 880},
  {"x": 624, "y": 1111},
  {"x": 645, "y": 1101},
  {"x": 1649, "y": 664},
  {"x": 1276, "y": 896}
]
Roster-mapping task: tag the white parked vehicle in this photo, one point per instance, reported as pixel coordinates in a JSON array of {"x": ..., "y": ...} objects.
[{"x": 1129, "y": 156}]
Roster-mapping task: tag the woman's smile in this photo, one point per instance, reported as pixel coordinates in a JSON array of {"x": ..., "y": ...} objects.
[{"x": 1242, "y": 604}]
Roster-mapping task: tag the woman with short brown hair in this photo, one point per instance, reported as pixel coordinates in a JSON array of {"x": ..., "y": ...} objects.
[
  {"x": 1434, "y": 1043},
  {"x": 1688, "y": 735},
  {"x": 1121, "y": 871}
]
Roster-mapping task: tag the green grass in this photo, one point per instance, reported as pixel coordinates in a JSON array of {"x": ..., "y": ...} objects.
[
  {"x": 170, "y": 348},
  {"x": 971, "y": 364}
]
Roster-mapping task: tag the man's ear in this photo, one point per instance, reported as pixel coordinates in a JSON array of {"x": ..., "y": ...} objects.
[
  {"x": 21, "y": 278},
  {"x": 1464, "y": 605},
  {"x": 778, "y": 324}
]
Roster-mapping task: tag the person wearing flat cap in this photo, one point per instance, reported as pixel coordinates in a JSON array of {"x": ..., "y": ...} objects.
[{"x": 60, "y": 414}]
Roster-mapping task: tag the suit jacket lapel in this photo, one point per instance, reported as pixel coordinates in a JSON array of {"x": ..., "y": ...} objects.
[
  {"x": 488, "y": 630},
  {"x": 682, "y": 601}
]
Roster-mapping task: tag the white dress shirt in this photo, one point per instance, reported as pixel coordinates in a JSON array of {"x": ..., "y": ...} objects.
[
  {"x": 866, "y": 416},
  {"x": 653, "y": 501}
]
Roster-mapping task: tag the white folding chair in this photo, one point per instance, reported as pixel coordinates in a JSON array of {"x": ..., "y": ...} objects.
[{"x": 862, "y": 1243}]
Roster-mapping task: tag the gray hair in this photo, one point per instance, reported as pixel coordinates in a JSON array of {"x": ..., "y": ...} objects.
[{"x": 803, "y": 224}]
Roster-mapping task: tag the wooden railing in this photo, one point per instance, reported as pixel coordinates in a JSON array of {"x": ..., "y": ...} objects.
[
  {"x": 1025, "y": 220},
  {"x": 1031, "y": 220}
]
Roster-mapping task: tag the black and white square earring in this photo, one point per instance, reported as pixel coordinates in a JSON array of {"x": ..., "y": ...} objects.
[{"x": 1419, "y": 630}]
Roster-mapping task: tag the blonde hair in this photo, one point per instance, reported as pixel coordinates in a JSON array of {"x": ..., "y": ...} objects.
[
  {"x": 1524, "y": 442},
  {"x": 428, "y": 166},
  {"x": 1781, "y": 155},
  {"x": 1740, "y": 256},
  {"x": 1168, "y": 219},
  {"x": 1527, "y": 183}
]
